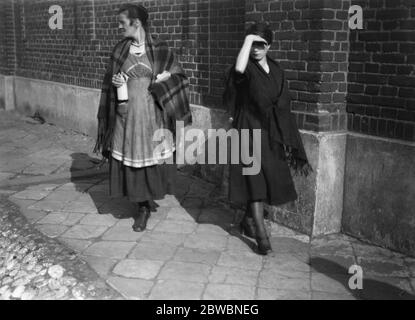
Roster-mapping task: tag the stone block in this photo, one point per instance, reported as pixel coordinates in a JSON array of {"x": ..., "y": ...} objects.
[
  {"x": 206, "y": 241},
  {"x": 197, "y": 255},
  {"x": 153, "y": 251},
  {"x": 228, "y": 292},
  {"x": 143, "y": 269},
  {"x": 132, "y": 289},
  {"x": 241, "y": 259},
  {"x": 51, "y": 230},
  {"x": 275, "y": 294},
  {"x": 232, "y": 275},
  {"x": 118, "y": 233},
  {"x": 110, "y": 249},
  {"x": 84, "y": 232},
  {"x": 176, "y": 290},
  {"x": 101, "y": 265},
  {"x": 185, "y": 271}
]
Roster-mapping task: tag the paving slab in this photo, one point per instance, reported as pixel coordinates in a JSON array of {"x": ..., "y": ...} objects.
[
  {"x": 75, "y": 244},
  {"x": 84, "y": 231},
  {"x": 47, "y": 205},
  {"x": 206, "y": 241},
  {"x": 384, "y": 268},
  {"x": 232, "y": 275},
  {"x": 287, "y": 262},
  {"x": 228, "y": 292},
  {"x": 99, "y": 220},
  {"x": 31, "y": 194},
  {"x": 179, "y": 214},
  {"x": 110, "y": 249},
  {"x": 63, "y": 218},
  {"x": 176, "y": 290},
  {"x": 275, "y": 294},
  {"x": 334, "y": 283},
  {"x": 168, "y": 201},
  {"x": 332, "y": 264},
  {"x": 218, "y": 216},
  {"x": 132, "y": 289},
  {"x": 173, "y": 226},
  {"x": 101, "y": 265},
  {"x": 240, "y": 243},
  {"x": 197, "y": 255},
  {"x": 174, "y": 239},
  {"x": 134, "y": 268},
  {"x": 186, "y": 271},
  {"x": 51, "y": 230},
  {"x": 81, "y": 205},
  {"x": 152, "y": 251},
  {"x": 317, "y": 295},
  {"x": 284, "y": 280},
  {"x": 387, "y": 288},
  {"x": 241, "y": 259},
  {"x": 120, "y": 233},
  {"x": 211, "y": 229}
]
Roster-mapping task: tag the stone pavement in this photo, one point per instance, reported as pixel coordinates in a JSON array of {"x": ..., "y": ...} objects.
[{"x": 192, "y": 249}]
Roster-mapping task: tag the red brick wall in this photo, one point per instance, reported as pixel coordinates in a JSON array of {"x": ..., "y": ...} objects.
[
  {"x": 381, "y": 80},
  {"x": 311, "y": 44},
  {"x": 205, "y": 34}
]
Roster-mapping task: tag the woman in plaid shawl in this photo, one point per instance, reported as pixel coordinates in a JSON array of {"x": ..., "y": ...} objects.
[{"x": 141, "y": 169}]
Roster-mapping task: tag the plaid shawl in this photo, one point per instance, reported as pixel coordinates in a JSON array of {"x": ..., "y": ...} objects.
[{"x": 170, "y": 95}]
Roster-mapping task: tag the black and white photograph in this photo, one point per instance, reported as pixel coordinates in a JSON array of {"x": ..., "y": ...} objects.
[{"x": 206, "y": 157}]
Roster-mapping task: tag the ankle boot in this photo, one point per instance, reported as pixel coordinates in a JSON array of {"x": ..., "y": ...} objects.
[
  {"x": 140, "y": 219},
  {"x": 264, "y": 246},
  {"x": 248, "y": 227}
]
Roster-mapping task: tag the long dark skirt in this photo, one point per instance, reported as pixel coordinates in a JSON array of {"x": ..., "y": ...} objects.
[
  {"x": 272, "y": 185},
  {"x": 141, "y": 184}
]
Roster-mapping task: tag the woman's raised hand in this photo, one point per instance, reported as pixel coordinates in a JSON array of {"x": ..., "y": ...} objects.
[
  {"x": 254, "y": 38},
  {"x": 118, "y": 80}
]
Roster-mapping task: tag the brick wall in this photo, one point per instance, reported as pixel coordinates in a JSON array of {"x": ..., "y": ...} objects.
[
  {"x": 7, "y": 43},
  {"x": 381, "y": 80},
  {"x": 311, "y": 44},
  {"x": 360, "y": 80},
  {"x": 205, "y": 34}
]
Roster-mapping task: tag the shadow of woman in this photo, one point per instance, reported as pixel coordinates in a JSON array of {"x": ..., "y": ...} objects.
[
  {"x": 89, "y": 179},
  {"x": 90, "y": 176},
  {"x": 372, "y": 289}
]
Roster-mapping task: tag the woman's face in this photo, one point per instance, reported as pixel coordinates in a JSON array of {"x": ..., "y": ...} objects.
[
  {"x": 259, "y": 50},
  {"x": 126, "y": 28}
]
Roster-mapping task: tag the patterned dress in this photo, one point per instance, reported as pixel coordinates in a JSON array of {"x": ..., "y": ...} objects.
[{"x": 137, "y": 169}]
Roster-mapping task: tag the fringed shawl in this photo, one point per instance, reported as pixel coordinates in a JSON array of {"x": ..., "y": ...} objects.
[
  {"x": 286, "y": 132},
  {"x": 171, "y": 95}
]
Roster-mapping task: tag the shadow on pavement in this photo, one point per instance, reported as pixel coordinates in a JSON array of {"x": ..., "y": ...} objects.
[
  {"x": 372, "y": 289},
  {"x": 121, "y": 208}
]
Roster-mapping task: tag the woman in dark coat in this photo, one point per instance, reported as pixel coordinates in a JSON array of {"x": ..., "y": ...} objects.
[
  {"x": 257, "y": 97},
  {"x": 141, "y": 169}
]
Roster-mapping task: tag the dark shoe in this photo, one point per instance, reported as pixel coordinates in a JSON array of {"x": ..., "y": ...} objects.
[
  {"x": 264, "y": 246},
  {"x": 140, "y": 220},
  {"x": 248, "y": 227}
]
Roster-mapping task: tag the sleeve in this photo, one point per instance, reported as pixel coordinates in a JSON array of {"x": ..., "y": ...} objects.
[{"x": 241, "y": 78}]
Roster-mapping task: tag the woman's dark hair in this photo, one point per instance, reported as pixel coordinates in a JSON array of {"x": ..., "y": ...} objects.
[
  {"x": 135, "y": 11},
  {"x": 261, "y": 29}
]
